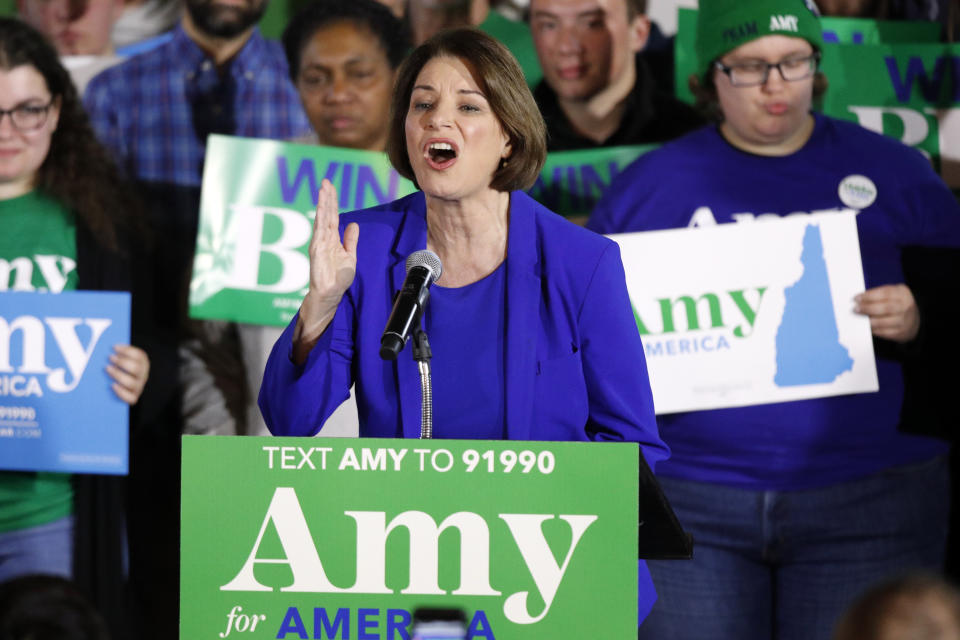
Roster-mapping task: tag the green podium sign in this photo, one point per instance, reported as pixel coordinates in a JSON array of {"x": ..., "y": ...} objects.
[{"x": 344, "y": 538}]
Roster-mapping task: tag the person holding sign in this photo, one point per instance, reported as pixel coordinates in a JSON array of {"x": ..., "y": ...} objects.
[
  {"x": 65, "y": 221},
  {"x": 530, "y": 325},
  {"x": 795, "y": 507}
]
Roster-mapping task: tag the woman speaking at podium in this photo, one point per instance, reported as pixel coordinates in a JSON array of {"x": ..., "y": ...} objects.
[{"x": 531, "y": 329}]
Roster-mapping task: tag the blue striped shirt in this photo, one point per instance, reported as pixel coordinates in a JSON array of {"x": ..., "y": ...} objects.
[{"x": 155, "y": 110}]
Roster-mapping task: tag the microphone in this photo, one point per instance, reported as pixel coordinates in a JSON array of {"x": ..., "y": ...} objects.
[{"x": 423, "y": 269}]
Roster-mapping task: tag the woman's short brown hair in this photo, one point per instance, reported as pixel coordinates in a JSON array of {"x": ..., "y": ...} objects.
[{"x": 500, "y": 79}]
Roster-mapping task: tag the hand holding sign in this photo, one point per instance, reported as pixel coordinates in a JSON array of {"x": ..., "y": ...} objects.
[
  {"x": 332, "y": 267},
  {"x": 57, "y": 409},
  {"x": 129, "y": 367},
  {"x": 892, "y": 311}
]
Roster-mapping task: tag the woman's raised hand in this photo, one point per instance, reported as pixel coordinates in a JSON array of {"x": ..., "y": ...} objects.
[{"x": 333, "y": 265}]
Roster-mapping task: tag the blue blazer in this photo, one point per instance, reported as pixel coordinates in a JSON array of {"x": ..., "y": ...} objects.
[{"x": 575, "y": 368}]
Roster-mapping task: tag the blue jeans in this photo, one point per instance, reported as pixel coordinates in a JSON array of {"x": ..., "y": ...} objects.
[
  {"x": 47, "y": 548},
  {"x": 785, "y": 564}
]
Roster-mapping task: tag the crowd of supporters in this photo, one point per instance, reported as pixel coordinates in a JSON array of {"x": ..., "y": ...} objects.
[{"x": 109, "y": 176}]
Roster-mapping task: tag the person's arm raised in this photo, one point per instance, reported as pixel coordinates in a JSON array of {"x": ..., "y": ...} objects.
[{"x": 333, "y": 265}]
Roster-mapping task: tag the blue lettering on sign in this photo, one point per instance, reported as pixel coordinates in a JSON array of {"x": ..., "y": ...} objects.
[
  {"x": 330, "y": 174},
  {"x": 687, "y": 345},
  {"x": 332, "y": 630},
  {"x": 292, "y": 624},
  {"x": 367, "y": 179},
  {"x": 476, "y": 630},
  {"x": 572, "y": 188},
  {"x": 592, "y": 183},
  {"x": 352, "y": 193},
  {"x": 306, "y": 171},
  {"x": 345, "y": 185},
  {"x": 367, "y": 624},
  {"x": 582, "y": 185},
  {"x": 550, "y": 195},
  {"x": 614, "y": 171},
  {"x": 856, "y": 37},
  {"x": 930, "y": 84},
  {"x": 397, "y": 623}
]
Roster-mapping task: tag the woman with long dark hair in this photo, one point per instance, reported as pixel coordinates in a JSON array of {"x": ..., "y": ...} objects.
[{"x": 61, "y": 200}]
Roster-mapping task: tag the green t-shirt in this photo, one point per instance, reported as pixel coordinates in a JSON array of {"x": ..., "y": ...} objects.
[
  {"x": 517, "y": 37},
  {"x": 38, "y": 251},
  {"x": 277, "y": 16}
]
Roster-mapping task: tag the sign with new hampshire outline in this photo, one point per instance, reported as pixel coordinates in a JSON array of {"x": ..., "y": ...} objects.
[
  {"x": 58, "y": 411},
  {"x": 741, "y": 314}
]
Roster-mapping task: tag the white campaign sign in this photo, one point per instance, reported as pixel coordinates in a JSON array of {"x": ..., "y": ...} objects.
[{"x": 741, "y": 314}]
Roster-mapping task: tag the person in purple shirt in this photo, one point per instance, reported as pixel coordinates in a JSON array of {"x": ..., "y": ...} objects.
[
  {"x": 531, "y": 329},
  {"x": 794, "y": 507}
]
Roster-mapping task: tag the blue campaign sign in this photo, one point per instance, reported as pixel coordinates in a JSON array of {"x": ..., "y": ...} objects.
[{"x": 57, "y": 409}]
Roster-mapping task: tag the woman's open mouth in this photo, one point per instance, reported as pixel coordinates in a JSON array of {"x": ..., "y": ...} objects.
[{"x": 441, "y": 155}]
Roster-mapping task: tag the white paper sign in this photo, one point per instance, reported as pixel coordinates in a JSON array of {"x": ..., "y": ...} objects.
[{"x": 751, "y": 313}]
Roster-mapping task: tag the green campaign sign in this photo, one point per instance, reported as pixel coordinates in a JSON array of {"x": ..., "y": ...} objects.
[
  {"x": 294, "y": 538},
  {"x": 572, "y": 182},
  {"x": 257, "y": 206},
  {"x": 908, "y": 91},
  {"x": 890, "y": 77},
  {"x": 256, "y": 217}
]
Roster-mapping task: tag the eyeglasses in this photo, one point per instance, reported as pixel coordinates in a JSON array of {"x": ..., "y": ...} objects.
[
  {"x": 27, "y": 117},
  {"x": 751, "y": 74}
]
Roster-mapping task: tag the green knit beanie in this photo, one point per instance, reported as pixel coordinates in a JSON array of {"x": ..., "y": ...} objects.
[{"x": 724, "y": 25}]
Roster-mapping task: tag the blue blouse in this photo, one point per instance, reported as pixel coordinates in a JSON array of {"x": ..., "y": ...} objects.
[{"x": 476, "y": 364}]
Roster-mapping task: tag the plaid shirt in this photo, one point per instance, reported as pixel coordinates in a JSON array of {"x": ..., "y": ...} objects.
[{"x": 155, "y": 110}]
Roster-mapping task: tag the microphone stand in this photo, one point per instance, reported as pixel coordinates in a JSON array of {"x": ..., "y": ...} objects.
[{"x": 422, "y": 355}]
